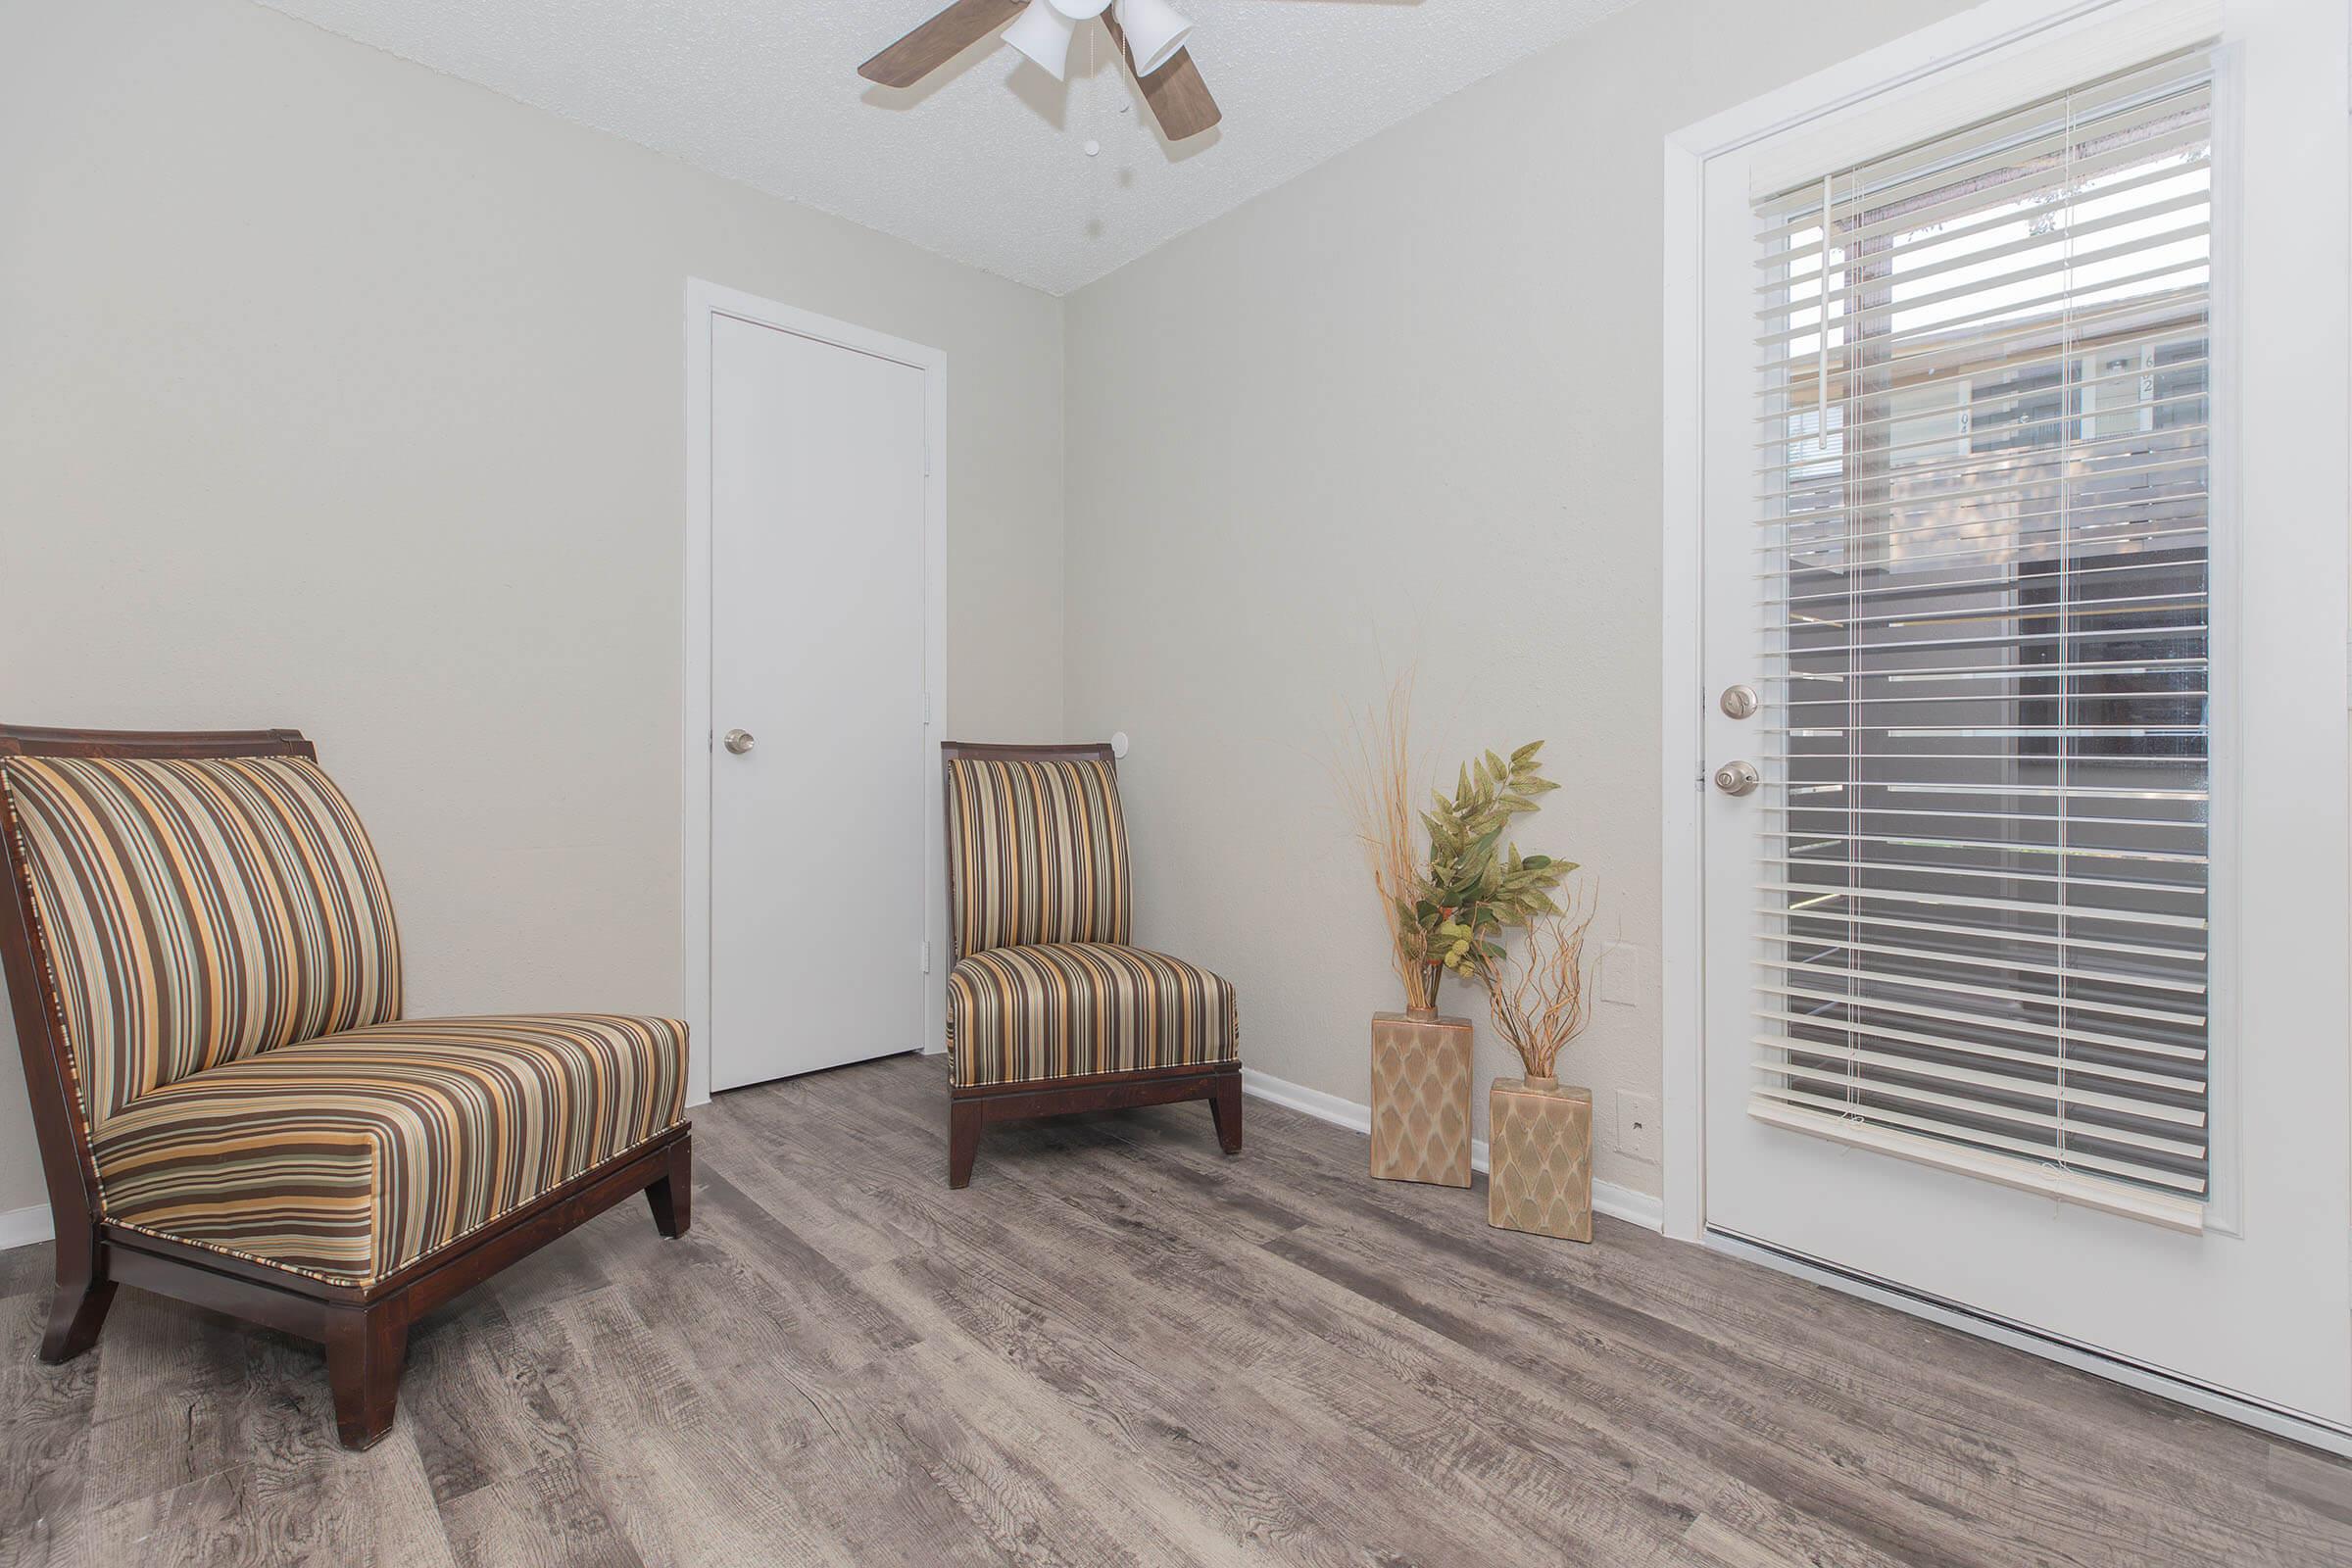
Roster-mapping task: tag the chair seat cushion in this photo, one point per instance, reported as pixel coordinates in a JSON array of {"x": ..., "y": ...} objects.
[
  {"x": 352, "y": 1156},
  {"x": 1065, "y": 1009}
]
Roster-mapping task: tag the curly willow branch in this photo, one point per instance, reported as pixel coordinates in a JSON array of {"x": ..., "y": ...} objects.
[{"x": 1544, "y": 1001}]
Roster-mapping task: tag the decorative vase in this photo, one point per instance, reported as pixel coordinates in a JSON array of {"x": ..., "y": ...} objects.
[
  {"x": 1421, "y": 1098},
  {"x": 1540, "y": 1159}
]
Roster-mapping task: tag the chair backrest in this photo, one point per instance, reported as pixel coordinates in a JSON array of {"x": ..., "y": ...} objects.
[
  {"x": 184, "y": 911},
  {"x": 1037, "y": 846}
]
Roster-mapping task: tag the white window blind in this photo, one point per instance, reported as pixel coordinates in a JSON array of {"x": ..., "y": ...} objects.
[{"x": 1981, "y": 441}]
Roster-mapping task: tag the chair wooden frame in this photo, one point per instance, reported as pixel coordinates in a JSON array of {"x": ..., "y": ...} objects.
[
  {"x": 969, "y": 1109},
  {"x": 364, "y": 1327}
]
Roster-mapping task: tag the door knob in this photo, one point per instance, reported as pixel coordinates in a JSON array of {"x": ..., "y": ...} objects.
[
  {"x": 738, "y": 741},
  {"x": 1737, "y": 779}
]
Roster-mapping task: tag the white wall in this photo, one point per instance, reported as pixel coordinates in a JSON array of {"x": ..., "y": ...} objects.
[
  {"x": 1407, "y": 404},
  {"x": 337, "y": 393}
]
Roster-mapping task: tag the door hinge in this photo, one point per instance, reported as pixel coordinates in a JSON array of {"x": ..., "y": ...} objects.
[
  {"x": 926, "y": 958},
  {"x": 926, "y": 707}
]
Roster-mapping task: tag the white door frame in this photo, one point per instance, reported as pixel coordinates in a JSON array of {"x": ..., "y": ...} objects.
[
  {"x": 705, "y": 302},
  {"x": 1683, "y": 757}
]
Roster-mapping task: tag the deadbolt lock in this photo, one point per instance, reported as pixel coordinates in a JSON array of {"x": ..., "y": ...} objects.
[
  {"x": 1737, "y": 779},
  {"x": 1739, "y": 702}
]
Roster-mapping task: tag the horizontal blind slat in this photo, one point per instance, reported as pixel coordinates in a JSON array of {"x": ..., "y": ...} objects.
[
  {"x": 2027, "y": 184},
  {"x": 1797, "y": 423},
  {"x": 2153, "y": 265},
  {"x": 1923, "y": 841},
  {"x": 2008, "y": 962},
  {"x": 1777, "y": 302},
  {"x": 2157, "y": 1050},
  {"x": 1974, "y": 1107},
  {"x": 1964, "y": 1017},
  {"x": 2024, "y": 1088},
  {"x": 1924, "y": 868},
  {"x": 1960, "y": 901},
  {"x": 2193, "y": 957},
  {"x": 1815, "y": 973},
  {"x": 2156, "y": 317}
]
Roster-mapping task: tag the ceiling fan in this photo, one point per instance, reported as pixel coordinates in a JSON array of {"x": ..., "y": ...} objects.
[{"x": 1150, "y": 37}]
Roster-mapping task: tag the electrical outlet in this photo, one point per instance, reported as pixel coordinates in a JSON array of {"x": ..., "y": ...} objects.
[
  {"x": 1621, "y": 974},
  {"x": 1638, "y": 1126}
]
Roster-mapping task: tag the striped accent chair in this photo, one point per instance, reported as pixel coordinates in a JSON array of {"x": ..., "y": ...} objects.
[
  {"x": 1051, "y": 1008},
  {"x": 206, "y": 976}
]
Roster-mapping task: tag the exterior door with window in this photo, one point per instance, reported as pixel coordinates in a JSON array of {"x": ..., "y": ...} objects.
[{"x": 2025, "y": 866}]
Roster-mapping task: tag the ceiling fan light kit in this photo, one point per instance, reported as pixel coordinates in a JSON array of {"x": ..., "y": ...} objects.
[
  {"x": 1154, "y": 32},
  {"x": 1149, "y": 35},
  {"x": 1043, "y": 33}
]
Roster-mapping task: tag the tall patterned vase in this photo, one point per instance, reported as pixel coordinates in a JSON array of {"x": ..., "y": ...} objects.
[
  {"x": 1421, "y": 1098},
  {"x": 1539, "y": 1157}
]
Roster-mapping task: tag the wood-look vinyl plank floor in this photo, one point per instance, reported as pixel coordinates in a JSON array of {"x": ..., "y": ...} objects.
[{"x": 1119, "y": 1347}]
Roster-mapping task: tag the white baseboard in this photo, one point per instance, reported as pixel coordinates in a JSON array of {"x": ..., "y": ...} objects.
[
  {"x": 23, "y": 1227},
  {"x": 1619, "y": 1202},
  {"x": 1314, "y": 1102}
]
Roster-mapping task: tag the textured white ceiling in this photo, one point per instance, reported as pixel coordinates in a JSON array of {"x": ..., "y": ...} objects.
[{"x": 984, "y": 162}]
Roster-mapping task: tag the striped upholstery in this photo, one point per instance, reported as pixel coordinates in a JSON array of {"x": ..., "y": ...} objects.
[
  {"x": 350, "y": 1156},
  {"x": 195, "y": 911},
  {"x": 1039, "y": 853},
  {"x": 1059, "y": 1011},
  {"x": 222, "y": 955}
]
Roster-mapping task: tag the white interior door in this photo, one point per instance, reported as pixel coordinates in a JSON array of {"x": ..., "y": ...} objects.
[
  {"x": 819, "y": 888},
  {"x": 2025, "y": 522}
]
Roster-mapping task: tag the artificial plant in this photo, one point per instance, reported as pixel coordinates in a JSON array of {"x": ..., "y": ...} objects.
[
  {"x": 1475, "y": 886},
  {"x": 1450, "y": 887}
]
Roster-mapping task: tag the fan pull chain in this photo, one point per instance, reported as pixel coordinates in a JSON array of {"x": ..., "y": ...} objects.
[{"x": 1094, "y": 87}]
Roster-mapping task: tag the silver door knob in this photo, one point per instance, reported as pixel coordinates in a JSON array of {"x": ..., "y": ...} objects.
[
  {"x": 1739, "y": 702},
  {"x": 1737, "y": 779},
  {"x": 738, "y": 741}
]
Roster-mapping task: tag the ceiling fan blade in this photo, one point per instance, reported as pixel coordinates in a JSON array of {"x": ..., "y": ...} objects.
[
  {"x": 938, "y": 41},
  {"x": 1177, "y": 97}
]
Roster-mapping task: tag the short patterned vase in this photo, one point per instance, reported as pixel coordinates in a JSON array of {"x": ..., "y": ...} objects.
[
  {"x": 1421, "y": 1098},
  {"x": 1540, "y": 1159}
]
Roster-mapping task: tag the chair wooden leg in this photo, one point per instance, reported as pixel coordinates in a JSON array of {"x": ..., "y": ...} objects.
[
  {"x": 84, "y": 1294},
  {"x": 1225, "y": 1106},
  {"x": 963, "y": 1139},
  {"x": 672, "y": 1197},
  {"x": 366, "y": 1347}
]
